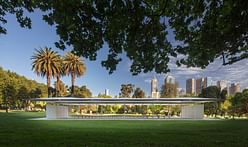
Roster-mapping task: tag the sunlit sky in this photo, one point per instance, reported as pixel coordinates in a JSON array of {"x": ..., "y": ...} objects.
[{"x": 18, "y": 46}]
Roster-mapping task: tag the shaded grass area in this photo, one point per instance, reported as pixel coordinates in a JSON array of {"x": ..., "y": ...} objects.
[{"x": 17, "y": 130}]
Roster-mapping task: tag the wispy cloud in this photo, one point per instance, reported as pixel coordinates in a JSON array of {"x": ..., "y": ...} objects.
[{"x": 236, "y": 72}]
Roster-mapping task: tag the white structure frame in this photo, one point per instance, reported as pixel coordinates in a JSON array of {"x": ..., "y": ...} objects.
[{"x": 191, "y": 108}]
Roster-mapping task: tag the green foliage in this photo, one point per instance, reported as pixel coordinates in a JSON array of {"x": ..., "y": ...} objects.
[
  {"x": 239, "y": 103},
  {"x": 212, "y": 108},
  {"x": 103, "y": 96},
  {"x": 46, "y": 63},
  {"x": 211, "y": 92},
  {"x": 126, "y": 90},
  {"x": 74, "y": 66},
  {"x": 16, "y": 8},
  {"x": 22, "y": 89},
  {"x": 204, "y": 30},
  {"x": 168, "y": 90},
  {"x": 82, "y": 92},
  {"x": 139, "y": 93},
  {"x": 9, "y": 95},
  {"x": 61, "y": 89}
]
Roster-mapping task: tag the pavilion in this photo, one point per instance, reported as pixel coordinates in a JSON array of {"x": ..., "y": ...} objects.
[{"x": 191, "y": 107}]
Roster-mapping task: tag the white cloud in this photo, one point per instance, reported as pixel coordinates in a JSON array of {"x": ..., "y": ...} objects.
[{"x": 237, "y": 72}]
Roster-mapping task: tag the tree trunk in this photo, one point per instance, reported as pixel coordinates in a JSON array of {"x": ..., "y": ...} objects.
[
  {"x": 72, "y": 83},
  {"x": 7, "y": 108},
  {"x": 57, "y": 86},
  {"x": 48, "y": 85}
]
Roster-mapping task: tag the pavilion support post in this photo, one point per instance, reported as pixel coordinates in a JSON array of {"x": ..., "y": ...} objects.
[
  {"x": 55, "y": 111},
  {"x": 193, "y": 111}
]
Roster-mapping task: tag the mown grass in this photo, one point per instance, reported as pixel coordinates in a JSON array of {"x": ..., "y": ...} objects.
[{"x": 17, "y": 130}]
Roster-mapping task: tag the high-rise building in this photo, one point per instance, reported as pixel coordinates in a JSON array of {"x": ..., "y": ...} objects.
[
  {"x": 234, "y": 88},
  {"x": 190, "y": 86},
  {"x": 106, "y": 91},
  {"x": 180, "y": 92},
  {"x": 207, "y": 81},
  {"x": 154, "y": 88},
  {"x": 222, "y": 84},
  {"x": 170, "y": 80},
  {"x": 202, "y": 83},
  {"x": 198, "y": 85}
]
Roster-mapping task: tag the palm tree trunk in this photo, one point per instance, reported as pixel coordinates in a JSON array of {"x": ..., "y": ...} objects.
[
  {"x": 48, "y": 85},
  {"x": 57, "y": 86},
  {"x": 72, "y": 83}
]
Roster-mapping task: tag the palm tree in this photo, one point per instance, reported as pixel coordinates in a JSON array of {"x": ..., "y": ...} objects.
[
  {"x": 74, "y": 66},
  {"x": 58, "y": 75},
  {"x": 45, "y": 63}
]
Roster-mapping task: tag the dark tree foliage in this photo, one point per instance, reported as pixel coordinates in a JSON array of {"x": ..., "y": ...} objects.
[
  {"x": 82, "y": 92},
  {"x": 138, "y": 93},
  {"x": 9, "y": 95},
  {"x": 223, "y": 94},
  {"x": 168, "y": 90},
  {"x": 204, "y": 29},
  {"x": 15, "y": 89},
  {"x": 126, "y": 90},
  {"x": 211, "y": 92}
]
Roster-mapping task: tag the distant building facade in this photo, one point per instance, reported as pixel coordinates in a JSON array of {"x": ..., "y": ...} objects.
[
  {"x": 170, "y": 80},
  {"x": 180, "y": 92},
  {"x": 190, "y": 86},
  {"x": 106, "y": 91},
  {"x": 203, "y": 83},
  {"x": 234, "y": 88},
  {"x": 222, "y": 84},
  {"x": 154, "y": 88}
]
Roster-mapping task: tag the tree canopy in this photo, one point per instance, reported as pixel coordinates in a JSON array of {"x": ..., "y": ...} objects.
[
  {"x": 203, "y": 30},
  {"x": 15, "y": 88}
]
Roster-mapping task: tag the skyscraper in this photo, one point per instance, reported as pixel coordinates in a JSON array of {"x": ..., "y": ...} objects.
[
  {"x": 106, "y": 91},
  {"x": 198, "y": 85},
  {"x": 190, "y": 86},
  {"x": 203, "y": 83},
  {"x": 234, "y": 88},
  {"x": 222, "y": 84},
  {"x": 154, "y": 88},
  {"x": 170, "y": 80}
]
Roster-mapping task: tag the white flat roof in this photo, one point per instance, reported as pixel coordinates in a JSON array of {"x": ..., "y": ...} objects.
[{"x": 135, "y": 101}]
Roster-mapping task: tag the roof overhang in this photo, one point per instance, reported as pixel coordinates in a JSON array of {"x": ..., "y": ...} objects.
[{"x": 123, "y": 101}]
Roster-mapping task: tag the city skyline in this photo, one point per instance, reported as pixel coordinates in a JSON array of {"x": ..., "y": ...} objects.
[{"x": 19, "y": 44}]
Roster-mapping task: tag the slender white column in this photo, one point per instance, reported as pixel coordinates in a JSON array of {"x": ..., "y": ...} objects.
[
  {"x": 194, "y": 111},
  {"x": 54, "y": 111}
]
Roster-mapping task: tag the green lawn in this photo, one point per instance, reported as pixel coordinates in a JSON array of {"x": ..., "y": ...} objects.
[{"x": 17, "y": 130}]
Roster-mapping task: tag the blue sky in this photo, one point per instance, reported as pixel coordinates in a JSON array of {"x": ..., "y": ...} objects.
[{"x": 19, "y": 44}]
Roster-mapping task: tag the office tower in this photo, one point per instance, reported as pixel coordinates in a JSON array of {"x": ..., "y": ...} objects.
[
  {"x": 170, "y": 80},
  {"x": 154, "y": 88},
  {"x": 222, "y": 84},
  {"x": 203, "y": 83},
  {"x": 190, "y": 86},
  {"x": 234, "y": 88},
  {"x": 106, "y": 91}
]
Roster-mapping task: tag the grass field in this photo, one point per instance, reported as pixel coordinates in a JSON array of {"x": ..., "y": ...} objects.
[{"x": 17, "y": 130}]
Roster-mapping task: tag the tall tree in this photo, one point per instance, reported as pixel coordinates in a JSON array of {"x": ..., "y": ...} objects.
[
  {"x": 126, "y": 90},
  {"x": 204, "y": 30},
  {"x": 138, "y": 93},
  {"x": 74, "y": 66},
  {"x": 45, "y": 63},
  {"x": 212, "y": 92},
  {"x": 82, "y": 92},
  {"x": 23, "y": 96},
  {"x": 61, "y": 88},
  {"x": 59, "y": 84},
  {"x": 168, "y": 90},
  {"x": 9, "y": 95}
]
